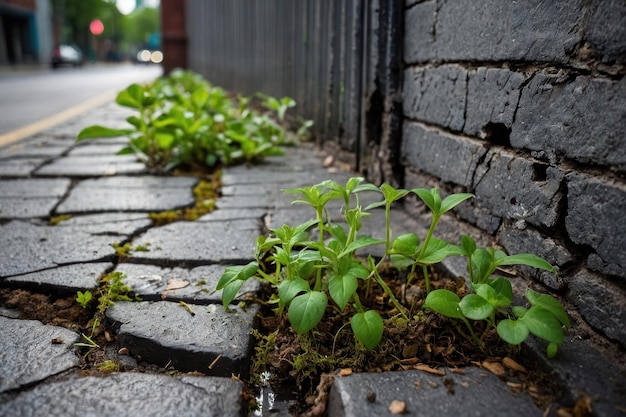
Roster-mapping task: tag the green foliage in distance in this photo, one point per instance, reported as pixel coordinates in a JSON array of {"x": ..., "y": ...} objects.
[{"x": 185, "y": 121}]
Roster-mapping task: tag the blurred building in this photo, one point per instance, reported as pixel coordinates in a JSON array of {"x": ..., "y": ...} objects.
[{"x": 26, "y": 34}]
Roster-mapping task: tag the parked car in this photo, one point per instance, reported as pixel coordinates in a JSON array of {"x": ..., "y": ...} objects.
[{"x": 66, "y": 55}]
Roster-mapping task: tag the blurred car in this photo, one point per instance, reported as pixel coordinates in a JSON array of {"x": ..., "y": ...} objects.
[
  {"x": 66, "y": 55},
  {"x": 146, "y": 56}
]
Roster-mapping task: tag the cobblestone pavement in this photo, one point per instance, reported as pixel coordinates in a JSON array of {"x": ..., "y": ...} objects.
[{"x": 109, "y": 198}]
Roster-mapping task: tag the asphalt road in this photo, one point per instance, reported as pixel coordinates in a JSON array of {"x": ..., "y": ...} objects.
[{"x": 34, "y": 98}]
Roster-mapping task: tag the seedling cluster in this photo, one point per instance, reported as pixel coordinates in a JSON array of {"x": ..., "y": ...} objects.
[
  {"x": 184, "y": 121},
  {"x": 307, "y": 273}
]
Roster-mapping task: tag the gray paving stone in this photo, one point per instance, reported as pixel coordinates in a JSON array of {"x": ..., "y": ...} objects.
[
  {"x": 19, "y": 167},
  {"x": 31, "y": 352},
  {"x": 120, "y": 193},
  {"x": 211, "y": 340},
  {"x": 27, "y": 247},
  {"x": 581, "y": 369},
  {"x": 195, "y": 285},
  {"x": 65, "y": 278},
  {"x": 234, "y": 213},
  {"x": 113, "y": 224},
  {"x": 130, "y": 395},
  {"x": 93, "y": 165},
  {"x": 25, "y": 198},
  {"x": 37, "y": 147},
  {"x": 92, "y": 149},
  {"x": 201, "y": 242},
  {"x": 477, "y": 393}
]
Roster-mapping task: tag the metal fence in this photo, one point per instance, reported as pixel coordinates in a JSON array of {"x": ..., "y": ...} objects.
[{"x": 322, "y": 53}]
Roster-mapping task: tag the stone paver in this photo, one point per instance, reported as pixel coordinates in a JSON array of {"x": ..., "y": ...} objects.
[
  {"x": 27, "y": 247},
  {"x": 206, "y": 339},
  {"x": 120, "y": 193},
  {"x": 29, "y": 198},
  {"x": 206, "y": 242},
  {"x": 130, "y": 395},
  {"x": 70, "y": 278},
  {"x": 195, "y": 285},
  {"x": 31, "y": 352},
  {"x": 475, "y": 393},
  {"x": 93, "y": 165}
]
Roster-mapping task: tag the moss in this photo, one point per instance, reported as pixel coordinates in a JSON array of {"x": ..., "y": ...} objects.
[
  {"x": 205, "y": 194},
  {"x": 108, "y": 367},
  {"x": 58, "y": 219}
]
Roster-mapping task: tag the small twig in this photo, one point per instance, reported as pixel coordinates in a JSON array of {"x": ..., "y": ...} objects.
[
  {"x": 186, "y": 307},
  {"x": 215, "y": 361}
]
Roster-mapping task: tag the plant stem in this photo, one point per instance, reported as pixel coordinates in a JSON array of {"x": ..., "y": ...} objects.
[
  {"x": 426, "y": 278},
  {"x": 392, "y": 298}
]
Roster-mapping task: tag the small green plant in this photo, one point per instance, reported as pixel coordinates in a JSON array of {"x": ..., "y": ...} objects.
[
  {"x": 308, "y": 273},
  {"x": 114, "y": 289},
  {"x": 83, "y": 298},
  {"x": 491, "y": 299},
  {"x": 185, "y": 121}
]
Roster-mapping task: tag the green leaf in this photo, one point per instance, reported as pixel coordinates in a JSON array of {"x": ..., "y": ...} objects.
[
  {"x": 101, "y": 132},
  {"x": 368, "y": 328},
  {"x": 444, "y": 302},
  {"x": 503, "y": 291},
  {"x": 391, "y": 194},
  {"x": 430, "y": 197},
  {"x": 482, "y": 266},
  {"x": 526, "y": 259},
  {"x": 406, "y": 244},
  {"x": 359, "y": 243},
  {"x": 237, "y": 272},
  {"x": 519, "y": 311},
  {"x": 549, "y": 303},
  {"x": 359, "y": 270},
  {"x": 164, "y": 140},
  {"x": 132, "y": 96},
  {"x": 306, "y": 310},
  {"x": 230, "y": 292},
  {"x": 401, "y": 262},
  {"x": 341, "y": 288},
  {"x": 475, "y": 307},
  {"x": 199, "y": 98},
  {"x": 454, "y": 200},
  {"x": 468, "y": 245},
  {"x": 513, "y": 332},
  {"x": 290, "y": 288},
  {"x": 542, "y": 323},
  {"x": 552, "y": 350},
  {"x": 438, "y": 250}
]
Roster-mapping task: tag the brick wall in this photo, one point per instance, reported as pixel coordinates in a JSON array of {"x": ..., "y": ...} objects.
[{"x": 524, "y": 104}]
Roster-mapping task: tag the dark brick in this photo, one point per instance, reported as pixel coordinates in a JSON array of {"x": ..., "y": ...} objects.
[
  {"x": 583, "y": 120},
  {"x": 436, "y": 95},
  {"x": 519, "y": 189},
  {"x": 596, "y": 210},
  {"x": 451, "y": 158}
]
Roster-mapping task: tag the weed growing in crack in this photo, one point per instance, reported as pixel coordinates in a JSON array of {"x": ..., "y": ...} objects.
[
  {"x": 185, "y": 121},
  {"x": 83, "y": 298},
  {"x": 308, "y": 273}
]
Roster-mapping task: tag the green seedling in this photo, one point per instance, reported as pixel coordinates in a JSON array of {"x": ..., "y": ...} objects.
[
  {"x": 184, "y": 121},
  {"x": 83, "y": 298},
  {"x": 491, "y": 299},
  {"x": 316, "y": 263}
]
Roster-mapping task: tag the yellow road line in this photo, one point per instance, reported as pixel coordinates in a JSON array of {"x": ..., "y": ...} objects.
[{"x": 40, "y": 125}]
